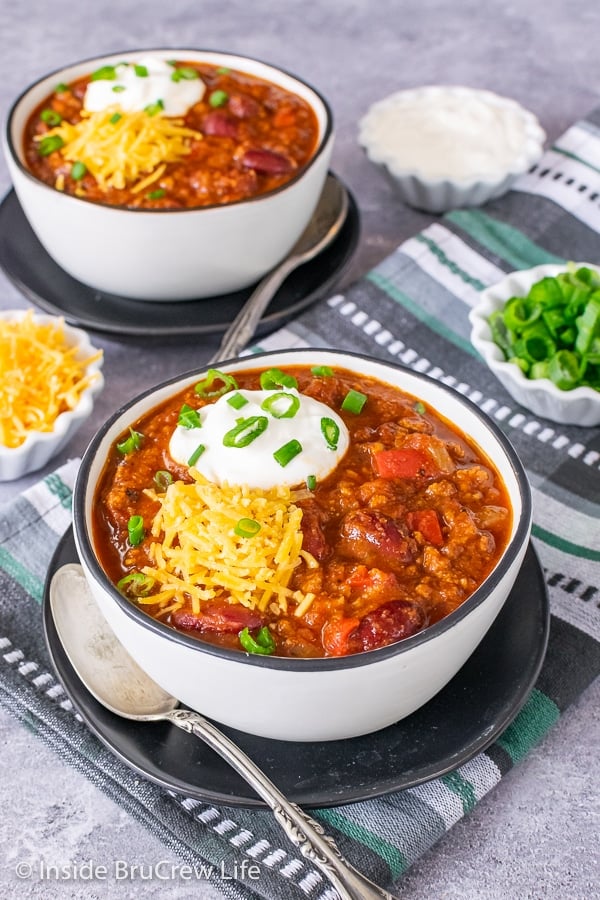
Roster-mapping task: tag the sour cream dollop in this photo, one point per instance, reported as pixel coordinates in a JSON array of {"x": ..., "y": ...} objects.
[
  {"x": 141, "y": 84},
  {"x": 255, "y": 464}
]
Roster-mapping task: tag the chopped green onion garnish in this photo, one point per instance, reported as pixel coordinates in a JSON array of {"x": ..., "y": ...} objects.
[
  {"x": 189, "y": 417},
  {"x": 116, "y": 117},
  {"x": 311, "y": 482},
  {"x": 354, "y": 401},
  {"x": 118, "y": 89},
  {"x": 275, "y": 378},
  {"x": 104, "y": 73},
  {"x": 136, "y": 584},
  {"x": 135, "y": 530},
  {"x": 218, "y": 98},
  {"x": 287, "y": 453},
  {"x": 140, "y": 71},
  {"x": 237, "y": 401},
  {"x": 185, "y": 73},
  {"x": 61, "y": 88},
  {"x": 330, "y": 431},
  {"x": 264, "y": 643},
  {"x": 158, "y": 194},
  {"x": 223, "y": 70},
  {"x": 154, "y": 108},
  {"x": 131, "y": 443},
  {"x": 196, "y": 455},
  {"x": 162, "y": 479},
  {"x": 49, "y": 144},
  {"x": 228, "y": 383},
  {"x": 419, "y": 408},
  {"x": 246, "y": 527},
  {"x": 51, "y": 117},
  {"x": 78, "y": 170},
  {"x": 281, "y": 405},
  {"x": 323, "y": 371},
  {"x": 246, "y": 431}
]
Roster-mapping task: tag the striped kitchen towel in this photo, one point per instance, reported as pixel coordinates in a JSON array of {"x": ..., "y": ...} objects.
[{"x": 412, "y": 308}]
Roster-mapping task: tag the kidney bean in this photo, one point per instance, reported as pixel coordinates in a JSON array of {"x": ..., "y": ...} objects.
[
  {"x": 390, "y": 623},
  {"x": 242, "y": 106},
  {"x": 221, "y": 618},
  {"x": 218, "y": 123},
  {"x": 313, "y": 536},
  {"x": 267, "y": 162},
  {"x": 375, "y": 539}
]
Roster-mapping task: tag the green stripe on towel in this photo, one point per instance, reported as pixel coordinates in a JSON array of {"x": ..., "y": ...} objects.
[
  {"x": 504, "y": 240},
  {"x": 29, "y": 582},
  {"x": 536, "y": 718},
  {"x": 553, "y": 540},
  {"x": 390, "y": 854}
]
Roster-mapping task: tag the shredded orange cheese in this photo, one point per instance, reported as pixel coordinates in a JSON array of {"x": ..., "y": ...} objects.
[
  {"x": 197, "y": 554},
  {"x": 40, "y": 377},
  {"x": 118, "y": 148}
]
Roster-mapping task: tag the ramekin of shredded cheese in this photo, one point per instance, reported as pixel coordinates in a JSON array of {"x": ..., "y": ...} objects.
[{"x": 49, "y": 376}]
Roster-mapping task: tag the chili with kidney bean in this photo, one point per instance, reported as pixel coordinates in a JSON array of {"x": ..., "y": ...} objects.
[
  {"x": 255, "y": 137},
  {"x": 406, "y": 527}
]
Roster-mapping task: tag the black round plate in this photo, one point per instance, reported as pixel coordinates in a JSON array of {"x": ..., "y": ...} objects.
[
  {"x": 45, "y": 284},
  {"x": 463, "y": 719}
]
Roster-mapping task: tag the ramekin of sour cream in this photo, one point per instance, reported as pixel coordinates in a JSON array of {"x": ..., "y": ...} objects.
[{"x": 450, "y": 146}]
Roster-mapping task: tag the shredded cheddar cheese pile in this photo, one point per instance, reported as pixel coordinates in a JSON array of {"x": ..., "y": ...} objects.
[
  {"x": 118, "y": 148},
  {"x": 198, "y": 554},
  {"x": 40, "y": 377}
]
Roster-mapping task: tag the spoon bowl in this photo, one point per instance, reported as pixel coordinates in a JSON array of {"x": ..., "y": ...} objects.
[{"x": 113, "y": 677}]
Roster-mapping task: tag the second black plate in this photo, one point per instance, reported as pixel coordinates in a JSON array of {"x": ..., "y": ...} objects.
[
  {"x": 463, "y": 719},
  {"x": 49, "y": 287}
]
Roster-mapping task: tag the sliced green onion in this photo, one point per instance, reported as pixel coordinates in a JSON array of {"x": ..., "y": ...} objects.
[
  {"x": 116, "y": 117},
  {"x": 564, "y": 369},
  {"x": 322, "y": 371},
  {"x": 135, "y": 530},
  {"x": 189, "y": 417},
  {"x": 51, "y": 117},
  {"x": 162, "y": 479},
  {"x": 104, "y": 73},
  {"x": 419, "y": 407},
  {"x": 311, "y": 482},
  {"x": 330, "y": 431},
  {"x": 61, "y": 88},
  {"x": 154, "y": 108},
  {"x": 118, "y": 89},
  {"x": 196, "y": 454},
  {"x": 275, "y": 378},
  {"x": 228, "y": 383},
  {"x": 158, "y": 194},
  {"x": 287, "y": 452},
  {"x": 136, "y": 584},
  {"x": 354, "y": 401},
  {"x": 264, "y": 643},
  {"x": 185, "y": 73},
  {"x": 246, "y": 528},
  {"x": 218, "y": 98},
  {"x": 49, "y": 144},
  {"x": 281, "y": 405},
  {"x": 78, "y": 170},
  {"x": 223, "y": 70},
  {"x": 133, "y": 442},
  {"x": 140, "y": 71},
  {"x": 246, "y": 431},
  {"x": 237, "y": 401}
]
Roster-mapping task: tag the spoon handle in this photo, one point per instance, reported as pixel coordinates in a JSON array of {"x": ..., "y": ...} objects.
[{"x": 304, "y": 832}]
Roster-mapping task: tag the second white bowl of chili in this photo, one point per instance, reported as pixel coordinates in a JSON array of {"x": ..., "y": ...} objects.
[
  {"x": 312, "y": 603},
  {"x": 168, "y": 174}
]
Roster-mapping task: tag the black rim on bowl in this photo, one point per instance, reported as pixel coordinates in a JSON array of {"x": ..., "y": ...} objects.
[
  {"x": 325, "y": 137},
  {"x": 517, "y": 543}
]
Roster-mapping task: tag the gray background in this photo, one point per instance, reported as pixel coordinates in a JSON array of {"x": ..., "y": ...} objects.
[{"x": 535, "y": 835}]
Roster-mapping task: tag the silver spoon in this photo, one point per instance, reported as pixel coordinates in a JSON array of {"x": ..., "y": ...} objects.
[
  {"x": 111, "y": 675},
  {"x": 324, "y": 226}
]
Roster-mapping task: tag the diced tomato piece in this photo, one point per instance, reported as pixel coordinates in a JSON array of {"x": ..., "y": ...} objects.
[
  {"x": 427, "y": 522},
  {"x": 403, "y": 462},
  {"x": 335, "y": 635}
]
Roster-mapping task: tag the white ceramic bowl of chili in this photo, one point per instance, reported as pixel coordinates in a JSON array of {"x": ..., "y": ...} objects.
[
  {"x": 310, "y": 699},
  {"x": 168, "y": 254}
]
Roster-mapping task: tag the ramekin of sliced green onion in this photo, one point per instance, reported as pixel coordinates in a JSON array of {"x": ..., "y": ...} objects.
[{"x": 539, "y": 332}]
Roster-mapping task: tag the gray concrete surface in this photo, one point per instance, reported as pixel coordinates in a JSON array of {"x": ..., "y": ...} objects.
[{"x": 536, "y": 835}]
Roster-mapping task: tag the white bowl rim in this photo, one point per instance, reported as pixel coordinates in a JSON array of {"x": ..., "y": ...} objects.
[
  {"x": 511, "y": 552},
  {"x": 534, "y": 135},
  {"x": 490, "y": 300},
  {"x": 324, "y": 141}
]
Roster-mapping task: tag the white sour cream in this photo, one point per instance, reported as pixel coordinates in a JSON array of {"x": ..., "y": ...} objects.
[
  {"x": 132, "y": 92},
  {"x": 254, "y": 464},
  {"x": 445, "y": 132}
]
